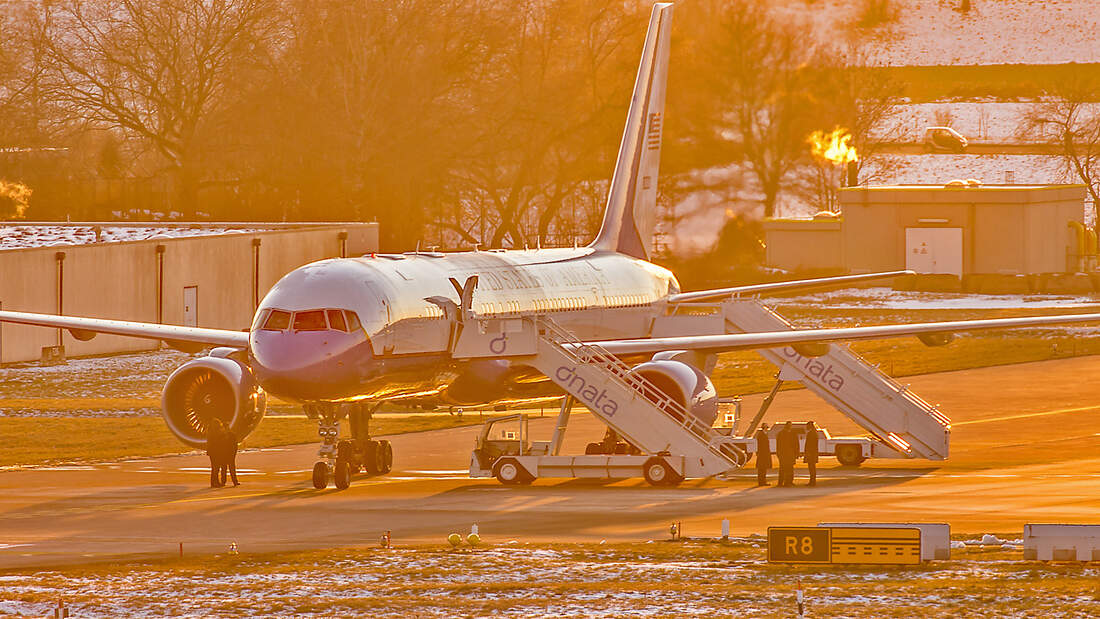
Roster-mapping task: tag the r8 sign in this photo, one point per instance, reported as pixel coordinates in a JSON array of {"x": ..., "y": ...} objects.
[{"x": 802, "y": 545}]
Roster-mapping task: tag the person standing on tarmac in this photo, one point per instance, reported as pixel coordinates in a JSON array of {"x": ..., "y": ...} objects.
[
  {"x": 786, "y": 451},
  {"x": 763, "y": 455},
  {"x": 810, "y": 451},
  {"x": 215, "y": 433},
  {"x": 229, "y": 457}
]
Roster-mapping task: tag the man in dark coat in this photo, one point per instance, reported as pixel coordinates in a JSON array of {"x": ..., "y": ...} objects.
[
  {"x": 215, "y": 449},
  {"x": 228, "y": 457},
  {"x": 786, "y": 451},
  {"x": 810, "y": 451},
  {"x": 763, "y": 455}
]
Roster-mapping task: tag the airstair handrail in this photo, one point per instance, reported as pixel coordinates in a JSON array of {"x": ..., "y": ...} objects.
[{"x": 621, "y": 373}]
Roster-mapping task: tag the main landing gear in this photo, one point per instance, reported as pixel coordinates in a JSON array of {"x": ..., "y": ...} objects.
[{"x": 340, "y": 459}]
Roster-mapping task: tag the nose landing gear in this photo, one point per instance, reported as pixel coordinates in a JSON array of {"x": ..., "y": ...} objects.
[{"x": 340, "y": 459}]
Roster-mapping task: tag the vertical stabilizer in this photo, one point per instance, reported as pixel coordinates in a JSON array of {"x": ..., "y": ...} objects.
[{"x": 631, "y": 212}]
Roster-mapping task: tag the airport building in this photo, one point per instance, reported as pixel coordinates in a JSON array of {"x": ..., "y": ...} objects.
[
  {"x": 957, "y": 229},
  {"x": 206, "y": 275}
]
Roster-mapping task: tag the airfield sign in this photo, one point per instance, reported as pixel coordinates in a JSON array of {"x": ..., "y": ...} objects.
[
  {"x": 880, "y": 546},
  {"x": 802, "y": 545}
]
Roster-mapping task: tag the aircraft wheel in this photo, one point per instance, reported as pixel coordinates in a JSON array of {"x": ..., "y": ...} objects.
[
  {"x": 386, "y": 450},
  {"x": 320, "y": 475},
  {"x": 510, "y": 472},
  {"x": 658, "y": 473},
  {"x": 370, "y": 458},
  {"x": 342, "y": 474},
  {"x": 593, "y": 449},
  {"x": 849, "y": 455}
]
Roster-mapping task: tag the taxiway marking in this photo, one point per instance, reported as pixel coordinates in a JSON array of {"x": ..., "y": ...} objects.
[{"x": 1059, "y": 411}]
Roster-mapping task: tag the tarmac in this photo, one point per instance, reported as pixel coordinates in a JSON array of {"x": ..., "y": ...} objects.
[{"x": 1025, "y": 448}]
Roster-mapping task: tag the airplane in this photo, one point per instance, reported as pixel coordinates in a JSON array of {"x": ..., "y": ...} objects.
[{"x": 342, "y": 336}]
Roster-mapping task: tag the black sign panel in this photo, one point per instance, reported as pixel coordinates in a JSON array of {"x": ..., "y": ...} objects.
[{"x": 801, "y": 545}]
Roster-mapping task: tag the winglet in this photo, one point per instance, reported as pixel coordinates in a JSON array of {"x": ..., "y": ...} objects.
[{"x": 631, "y": 212}]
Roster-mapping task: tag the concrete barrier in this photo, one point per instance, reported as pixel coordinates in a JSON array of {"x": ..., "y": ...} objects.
[
  {"x": 996, "y": 283},
  {"x": 935, "y": 538},
  {"x": 1065, "y": 283},
  {"x": 924, "y": 282},
  {"x": 1062, "y": 542}
]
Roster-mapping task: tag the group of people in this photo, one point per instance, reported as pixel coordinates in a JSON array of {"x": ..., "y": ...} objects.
[
  {"x": 221, "y": 447},
  {"x": 787, "y": 451}
]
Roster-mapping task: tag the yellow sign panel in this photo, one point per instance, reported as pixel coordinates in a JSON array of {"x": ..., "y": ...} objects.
[{"x": 877, "y": 545}]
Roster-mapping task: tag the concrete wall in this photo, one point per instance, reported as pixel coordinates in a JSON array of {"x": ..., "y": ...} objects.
[
  {"x": 120, "y": 281},
  {"x": 797, "y": 245}
]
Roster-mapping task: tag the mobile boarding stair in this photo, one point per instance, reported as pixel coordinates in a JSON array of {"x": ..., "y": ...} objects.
[
  {"x": 903, "y": 425},
  {"x": 673, "y": 444}
]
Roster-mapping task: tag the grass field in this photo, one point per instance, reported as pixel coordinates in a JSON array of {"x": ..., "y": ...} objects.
[{"x": 694, "y": 578}]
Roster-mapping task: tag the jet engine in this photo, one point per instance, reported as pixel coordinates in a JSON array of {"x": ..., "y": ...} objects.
[
  {"x": 683, "y": 382},
  {"x": 212, "y": 387}
]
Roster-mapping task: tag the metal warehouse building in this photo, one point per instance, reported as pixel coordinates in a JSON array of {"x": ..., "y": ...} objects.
[
  {"x": 959, "y": 229},
  {"x": 211, "y": 280}
]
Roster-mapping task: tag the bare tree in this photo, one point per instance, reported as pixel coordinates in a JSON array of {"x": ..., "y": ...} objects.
[
  {"x": 759, "y": 80},
  {"x": 368, "y": 111},
  {"x": 158, "y": 70},
  {"x": 553, "y": 112},
  {"x": 1069, "y": 114},
  {"x": 856, "y": 97}
]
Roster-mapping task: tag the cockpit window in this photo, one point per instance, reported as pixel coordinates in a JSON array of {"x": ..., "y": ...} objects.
[
  {"x": 353, "y": 320},
  {"x": 313, "y": 320},
  {"x": 277, "y": 320},
  {"x": 336, "y": 320}
]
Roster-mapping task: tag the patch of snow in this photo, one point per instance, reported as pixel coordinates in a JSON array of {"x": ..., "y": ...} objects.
[
  {"x": 887, "y": 298},
  {"x": 933, "y": 32},
  {"x": 20, "y": 236}
]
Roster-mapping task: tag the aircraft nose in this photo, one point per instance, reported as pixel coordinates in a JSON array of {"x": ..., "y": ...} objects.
[{"x": 309, "y": 365}]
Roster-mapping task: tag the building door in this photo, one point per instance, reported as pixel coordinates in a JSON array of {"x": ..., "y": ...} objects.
[
  {"x": 934, "y": 250},
  {"x": 191, "y": 306}
]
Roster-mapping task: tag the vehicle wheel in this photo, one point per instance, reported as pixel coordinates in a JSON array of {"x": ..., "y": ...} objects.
[
  {"x": 849, "y": 455},
  {"x": 370, "y": 458},
  {"x": 510, "y": 472},
  {"x": 386, "y": 450},
  {"x": 342, "y": 474},
  {"x": 658, "y": 473},
  {"x": 593, "y": 449},
  {"x": 320, "y": 475}
]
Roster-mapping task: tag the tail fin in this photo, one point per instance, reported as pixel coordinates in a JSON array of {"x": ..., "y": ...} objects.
[{"x": 631, "y": 212}]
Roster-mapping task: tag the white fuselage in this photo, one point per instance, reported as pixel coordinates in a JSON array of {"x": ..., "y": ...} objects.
[{"x": 400, "y": 344}]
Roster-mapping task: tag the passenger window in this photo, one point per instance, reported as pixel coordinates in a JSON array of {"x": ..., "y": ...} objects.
[
  {"x": 353, "y": 320},
  {"x": 336, "y": 320},
  {"x": 313, "y": 320},
  {"x": 277, "y": 320}
]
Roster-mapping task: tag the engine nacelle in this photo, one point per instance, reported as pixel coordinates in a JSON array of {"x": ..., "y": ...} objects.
[
  {"x": 684, "y": 383},
  {"x": 207, "y": 388}
]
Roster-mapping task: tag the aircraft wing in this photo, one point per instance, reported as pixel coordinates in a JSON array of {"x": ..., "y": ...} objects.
[
  {"x": 776, "y": 339},
  {"x": 777, "y": 287},
  {"x": 176, "y": 336}
]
